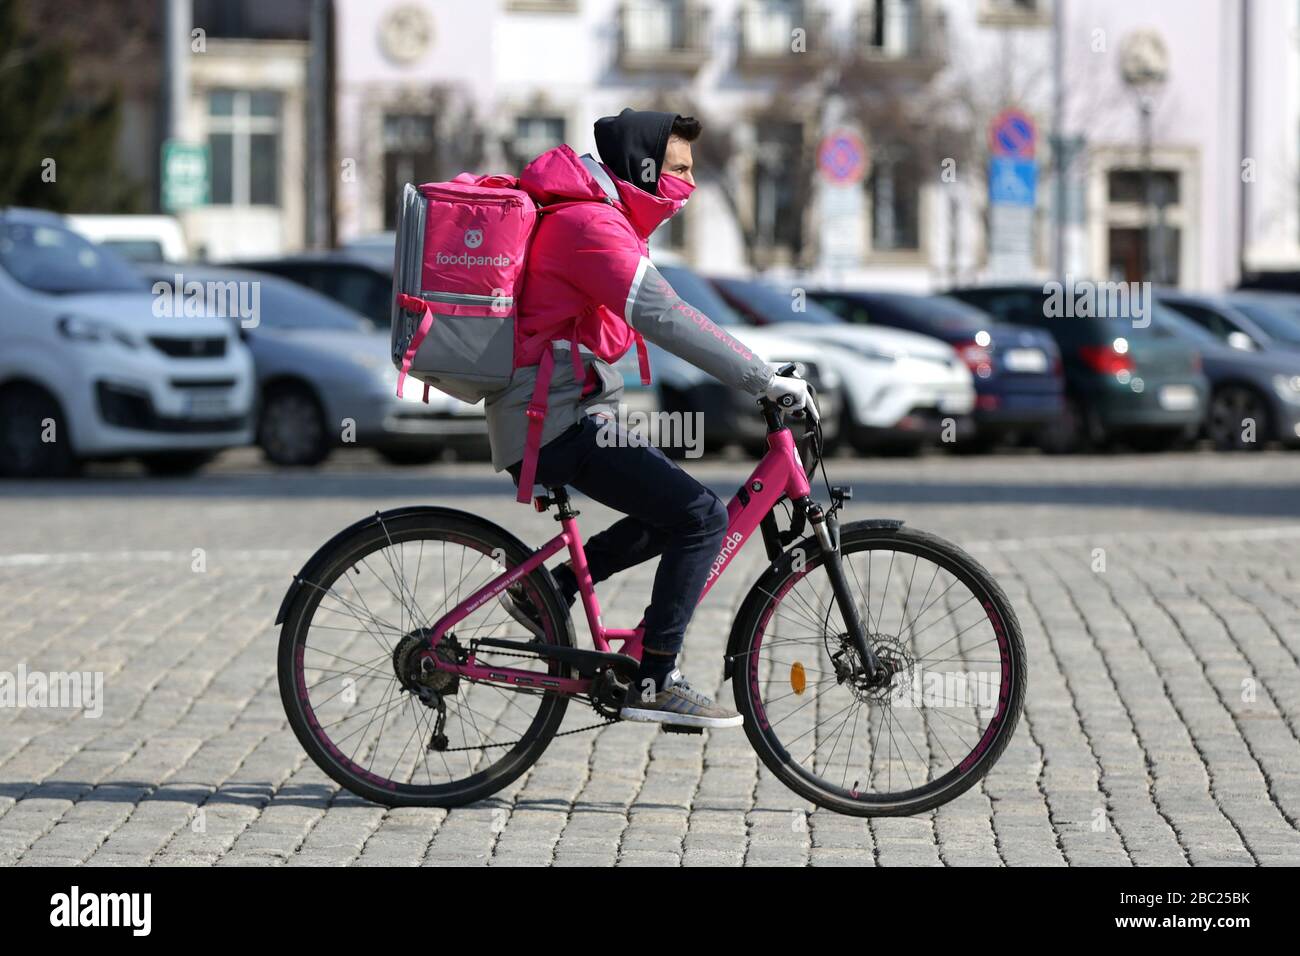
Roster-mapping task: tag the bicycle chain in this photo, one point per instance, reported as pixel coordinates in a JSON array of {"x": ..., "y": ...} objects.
[{"x": 511, "y": 743}]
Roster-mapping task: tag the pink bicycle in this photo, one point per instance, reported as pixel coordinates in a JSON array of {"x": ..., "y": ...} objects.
[{"x": 879, "y": 670}]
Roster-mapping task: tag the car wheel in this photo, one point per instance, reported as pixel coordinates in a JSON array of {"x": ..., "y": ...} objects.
[
  {"x": 410, "y": 454},
  {"x": 176, "y": 464},
  {"x": 1230, "y": 407},
  {"x": 28, "y": 415},
  {"x": 1069, "y": 434},
  {"x": 291, "y": 427}
]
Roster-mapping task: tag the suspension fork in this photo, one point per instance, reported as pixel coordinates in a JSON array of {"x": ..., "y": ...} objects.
[{"x": 826, "y": 528}]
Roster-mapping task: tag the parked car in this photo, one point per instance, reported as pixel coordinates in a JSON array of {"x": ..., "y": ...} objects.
[
  {"x": 135, "y": 238},
  {"x": 92, "y": 368},
  {"x": 1248, "y": 322},
  {"x": 321, "y": 365},
  {"x": 902, "y": 385},
  {"x": 731, "y": 416},
  {"x": 1281, "y": 280},
  {"x": 1141, "y": 384},
  {"x": 1019, "y": 381},
  {"x": 1275, "y": 316},
  {"x": 1254, "y": 395}
]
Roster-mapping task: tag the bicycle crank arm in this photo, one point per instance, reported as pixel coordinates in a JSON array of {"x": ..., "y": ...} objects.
[{"x": 826, "y": 530}]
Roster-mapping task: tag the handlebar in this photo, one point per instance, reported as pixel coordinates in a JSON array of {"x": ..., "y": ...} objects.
[{"x": 789, "y": 370}]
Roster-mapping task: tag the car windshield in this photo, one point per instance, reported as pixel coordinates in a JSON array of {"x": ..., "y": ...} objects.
[
  {"x": 288, "y": 305},
  {"x": 777, "y": 305},
  {"x": 49, "y": 258},
  {"x": 940, "y": 313},
  {"x": 1180, "y": 325},
  {"x": 700, "y": 294},
  {"x": 1278, "y": 320},
  {"x": 137, "y": 250}
]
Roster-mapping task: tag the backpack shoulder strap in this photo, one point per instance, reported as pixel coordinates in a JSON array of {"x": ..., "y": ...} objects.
[{"x": 599, "y": 173}]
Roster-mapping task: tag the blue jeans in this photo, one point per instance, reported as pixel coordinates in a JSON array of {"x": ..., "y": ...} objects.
[{"x": 669, "y": 514}]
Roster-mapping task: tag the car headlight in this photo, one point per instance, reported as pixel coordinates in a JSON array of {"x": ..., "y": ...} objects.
[
  {"x": 1287, "y": 387},
  {"x": 80, "y": 329}
]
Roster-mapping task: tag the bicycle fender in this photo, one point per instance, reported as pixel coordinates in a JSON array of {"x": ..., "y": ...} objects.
[{"x": 313, "y": 564}]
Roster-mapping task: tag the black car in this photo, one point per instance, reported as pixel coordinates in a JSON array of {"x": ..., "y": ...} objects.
[
  {"x": 1019, "y": 382},
  {"x": 1126, "y": 377},
  {"x": 362, "y": 282}
]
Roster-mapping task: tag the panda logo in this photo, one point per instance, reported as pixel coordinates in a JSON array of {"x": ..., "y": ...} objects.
[{"x": 473, "y": 238}]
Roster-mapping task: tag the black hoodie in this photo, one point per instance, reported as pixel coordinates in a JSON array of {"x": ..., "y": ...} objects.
[{"x": 627, "y": 140}]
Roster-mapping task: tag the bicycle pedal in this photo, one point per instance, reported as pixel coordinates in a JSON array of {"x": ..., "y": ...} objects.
[{"x": 679, "y": 729}]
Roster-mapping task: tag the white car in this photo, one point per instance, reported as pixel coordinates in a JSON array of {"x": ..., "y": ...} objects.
[
  {"x": 137, "y": 238},
  {"x": 94, "y": 365},
  {"x": 900, "y": 388},
  {"x": 730, "y": 415}
]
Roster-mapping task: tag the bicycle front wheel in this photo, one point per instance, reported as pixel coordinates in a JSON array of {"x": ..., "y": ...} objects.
[{"x": 903, "y": 743}]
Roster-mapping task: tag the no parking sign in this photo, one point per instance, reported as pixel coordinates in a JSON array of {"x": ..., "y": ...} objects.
[
  {"x": 1013, "y": 134},
  {"x": 842, "y": 157}
]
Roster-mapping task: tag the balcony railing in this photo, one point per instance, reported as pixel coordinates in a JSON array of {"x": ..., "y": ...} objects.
[
  {"x": 663, "y": 35},
  {"x": 908, "y": 35},
  {"x": 783, "y": 35}
]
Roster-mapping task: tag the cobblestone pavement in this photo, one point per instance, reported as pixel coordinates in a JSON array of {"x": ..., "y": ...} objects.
[{"x": 1161, "y": 725}]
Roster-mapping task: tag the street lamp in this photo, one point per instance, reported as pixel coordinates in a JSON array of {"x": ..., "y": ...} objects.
[{"x": 1144, "y": 66}]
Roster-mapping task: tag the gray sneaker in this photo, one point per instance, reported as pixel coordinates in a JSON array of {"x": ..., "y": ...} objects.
[{"x": 679, "y": 705}]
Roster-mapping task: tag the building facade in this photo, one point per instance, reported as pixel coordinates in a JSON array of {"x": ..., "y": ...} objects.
[{"x": 425, "y": 88}]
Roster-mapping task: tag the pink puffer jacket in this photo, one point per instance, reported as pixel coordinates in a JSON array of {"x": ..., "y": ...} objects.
[{"x": 585, "y": 255}]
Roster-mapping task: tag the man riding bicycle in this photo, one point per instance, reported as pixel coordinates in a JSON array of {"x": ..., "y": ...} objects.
[{"x": 591, "y": 292}]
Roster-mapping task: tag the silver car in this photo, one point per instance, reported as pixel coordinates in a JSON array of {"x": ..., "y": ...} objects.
[{"x": 326, "y": 379}]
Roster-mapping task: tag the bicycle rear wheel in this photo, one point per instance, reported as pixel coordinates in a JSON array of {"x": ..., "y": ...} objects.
[
  {"x": 956, "y": 678},
  {"x": 350, "y": 676}
]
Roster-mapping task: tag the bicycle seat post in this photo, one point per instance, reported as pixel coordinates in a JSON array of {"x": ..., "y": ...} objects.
[{"x": 559, "y": 498}]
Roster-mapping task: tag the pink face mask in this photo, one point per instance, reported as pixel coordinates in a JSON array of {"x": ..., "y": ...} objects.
[{"x": 675, "y": 189}]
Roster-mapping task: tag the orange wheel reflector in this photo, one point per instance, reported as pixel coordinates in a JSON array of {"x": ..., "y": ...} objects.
[{"x": 798, "y": 680}]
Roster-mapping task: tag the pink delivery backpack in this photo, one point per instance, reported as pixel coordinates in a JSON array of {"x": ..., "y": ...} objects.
[{"x": 457, "y": 271}]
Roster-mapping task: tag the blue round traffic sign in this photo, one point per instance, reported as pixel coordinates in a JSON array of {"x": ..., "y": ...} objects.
[
  {"x": 842, "y": 157},
  {"x": 1013, "y": 134}
]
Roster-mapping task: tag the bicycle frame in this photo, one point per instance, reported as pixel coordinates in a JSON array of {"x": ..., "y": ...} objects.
[{"x": 779, "y": 474}]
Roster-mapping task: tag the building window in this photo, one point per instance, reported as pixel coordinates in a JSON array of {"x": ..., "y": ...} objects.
[
  {"x": 1015, "y": 13},
  {"x": 410, "y": 156},
  {"x": 542, "y": 6},
  {"x": 778, "y": 215},
  {"x": 1144, "y": 230},
  {"x": 895, "y": 27},
  {"x": 244, "y": 140},
  {"x": 534, "y": 135},
  {"x": 1129, "y": 185},
  {"x": 894, "y": 187},
  {"x": 769, "y": 25}
]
